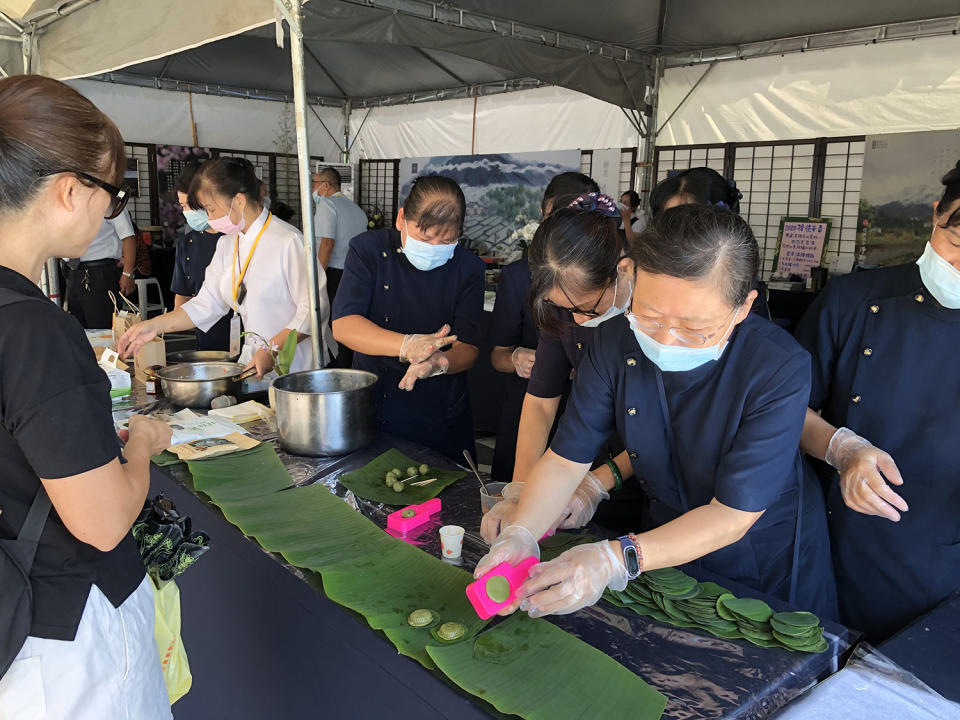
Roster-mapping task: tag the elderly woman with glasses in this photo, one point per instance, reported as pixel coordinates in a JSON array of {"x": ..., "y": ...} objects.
[{"x": 710, "y": 402}]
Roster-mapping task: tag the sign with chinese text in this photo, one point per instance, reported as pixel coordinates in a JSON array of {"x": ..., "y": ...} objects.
[{"x": 800, "y": 245}]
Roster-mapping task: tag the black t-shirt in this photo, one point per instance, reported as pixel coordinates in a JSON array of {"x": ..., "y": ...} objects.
[{"x": 55, "y": 422}]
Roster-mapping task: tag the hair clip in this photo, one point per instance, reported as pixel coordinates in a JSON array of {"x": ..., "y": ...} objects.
[
  {"x": 721, "y": 203},
  {"x": 733, "y": 187},
  {"x": 596, "y": 202}
]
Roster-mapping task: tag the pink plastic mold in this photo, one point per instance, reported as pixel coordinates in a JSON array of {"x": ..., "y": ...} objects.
[
  {"x": 396, "y": 521},
  {"x": 515, "y": 575}
]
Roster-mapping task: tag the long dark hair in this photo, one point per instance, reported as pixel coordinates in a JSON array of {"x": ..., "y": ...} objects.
[
  {"x": 951, "y": 193},
  {"x": 46, "y": 126},
  {"x": 576, "y": 251},
  {"x": 701, "y": 185},
  {"x": 227, "y": 176},
  {"x": 690, "y": 241},
  {"x": 435, "y": 201}
]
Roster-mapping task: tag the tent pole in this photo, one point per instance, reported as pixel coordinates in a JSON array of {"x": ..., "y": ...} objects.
[
  {"x": 295, "y": 13},
  {"x": 650, "y": 140},
  {"x": 345, "y": 150}
]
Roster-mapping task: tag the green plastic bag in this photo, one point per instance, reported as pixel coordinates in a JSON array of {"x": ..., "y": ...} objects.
[{"x": 166, "y": 630}]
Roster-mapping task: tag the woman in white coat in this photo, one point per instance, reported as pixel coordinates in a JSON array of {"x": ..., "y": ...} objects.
[{"x": 258, "y": 274}]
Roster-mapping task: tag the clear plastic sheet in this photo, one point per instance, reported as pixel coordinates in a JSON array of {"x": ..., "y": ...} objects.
[
  {"x": 702, "y": 676},
  {"x": 871, "y": 686}
]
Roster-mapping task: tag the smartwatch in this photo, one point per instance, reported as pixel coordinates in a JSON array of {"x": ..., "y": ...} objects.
[{"x": 631, "y": 557}]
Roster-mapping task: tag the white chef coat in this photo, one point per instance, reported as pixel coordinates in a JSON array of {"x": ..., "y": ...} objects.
[
  {"x": 277, "y": 288},
  {"x": 107, "y": 244}
]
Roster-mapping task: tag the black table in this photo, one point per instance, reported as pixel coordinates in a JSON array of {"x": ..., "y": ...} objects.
[
  {"x": 929, "y": 647},
  {"x": 263, "y": 641}
]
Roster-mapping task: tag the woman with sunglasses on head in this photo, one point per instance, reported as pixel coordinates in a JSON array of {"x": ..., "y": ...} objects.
[
  {"x": 409, "y": 306},
  {"x": 257, "y": 273},
  {"x": 710, "y": 401},
  {"x": 89, "y": 651},
  {"x": 579, "y": 280},
  {"x": 884, "y": 345},
  {"x": 514, "y": 331}
]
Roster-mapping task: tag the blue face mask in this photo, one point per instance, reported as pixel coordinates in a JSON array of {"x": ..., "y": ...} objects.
[
  {"x": 316, "y": 196},
  {"x": 266, "y": 202},
  {"x": 425, "y": 256},
  {"x": 613, "y": 310},
  {"x": 678, "y": 358},
  {"x": 940, "y": 277},
  {"x": 197, "y": 219}
]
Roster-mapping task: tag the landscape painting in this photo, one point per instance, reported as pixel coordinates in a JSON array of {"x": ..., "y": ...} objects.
[{"x": 901, "y": 181}]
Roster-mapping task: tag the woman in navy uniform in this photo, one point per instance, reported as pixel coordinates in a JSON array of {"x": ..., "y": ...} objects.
[
  {"x": 409, "y": 305},
  {"x": 515, "y": 335},
  {"x": 884, "y": 346},
  {"x": 710, "y": 401}
]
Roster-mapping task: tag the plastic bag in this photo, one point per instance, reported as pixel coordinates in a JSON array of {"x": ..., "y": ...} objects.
[{"x": 166, "y": 630}]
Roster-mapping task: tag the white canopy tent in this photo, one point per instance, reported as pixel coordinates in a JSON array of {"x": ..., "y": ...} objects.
[{"x": 409, "y": 50}]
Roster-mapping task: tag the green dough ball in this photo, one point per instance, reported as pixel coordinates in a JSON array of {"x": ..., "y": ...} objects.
[
  {"x": 390, "y": 480},
  {"x": 424, "y": 469},
  {"x": 396, "y": 471},
  {"x": 408, "y": 513},
  {"x": 398, "y": 487},
  {"x": 411, "y": 471},
  {"x": 451, "y": 631},
  {"x": 498, "y": 588},
  {"x": 421, "y": 618}
]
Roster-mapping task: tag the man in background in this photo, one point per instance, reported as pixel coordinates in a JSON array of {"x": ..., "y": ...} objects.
[
  {"x": 106, "y": 267},
  {"x": 336, "y": 222}
]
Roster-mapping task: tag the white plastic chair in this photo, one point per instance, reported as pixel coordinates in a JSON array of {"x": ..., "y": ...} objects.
[{"x": 147, "y": 307}]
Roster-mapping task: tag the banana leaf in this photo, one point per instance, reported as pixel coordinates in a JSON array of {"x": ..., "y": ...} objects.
[
  {"x": 240, "y": 475},
  {"x": 165, "y": 459},
  {"x": 368, "y": 481},
  {"x": 542, "y": 675},
  {"x": 558, "y": 543}
]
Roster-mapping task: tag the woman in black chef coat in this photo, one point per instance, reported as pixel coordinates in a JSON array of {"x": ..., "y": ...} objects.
[
  {"x": 885, "y": 345},
  {"x": 710, "y": 401},
  {"x": 514, "y": 331},
  {"x": 409, "y": 306},
  {"x": 90, "y": 651}
]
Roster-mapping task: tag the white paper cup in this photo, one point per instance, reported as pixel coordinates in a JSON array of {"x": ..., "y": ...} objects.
[
  {"x": 451, "y": 541},
  {"x": 490, "y": 495}
]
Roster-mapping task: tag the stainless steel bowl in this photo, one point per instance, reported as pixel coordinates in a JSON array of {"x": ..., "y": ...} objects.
[
  {"x": 325, "y": 412},
  {"x": 192, "y": 356},
  {"x": 195, "y": 385}
]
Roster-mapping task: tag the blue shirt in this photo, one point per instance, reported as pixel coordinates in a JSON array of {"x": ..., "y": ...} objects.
[
  {"x": 885, "y": 366},
  {"x": 736, "y": 424},
  {"x": 194, "y": 252},
  {"x": 341, "y": 219},
  {"x": 380, "y": 284}
]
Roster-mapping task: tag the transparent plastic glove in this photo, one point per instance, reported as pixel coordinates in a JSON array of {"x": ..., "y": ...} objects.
[
  {"x": 501, "y": 514},
  {"x": 436, "y": 364},
  {"x": 572, "y": 581},
  {"x": 417, "y": 348},
  {"x": 523, "y": 359},
  {"x": 583, "y": 504},
  {"x": 515, "y": 543},
  {"x": 864, "y": 473}
]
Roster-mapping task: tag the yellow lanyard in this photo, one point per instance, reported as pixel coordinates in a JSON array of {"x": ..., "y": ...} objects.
[{"x": 233, "y": 267}]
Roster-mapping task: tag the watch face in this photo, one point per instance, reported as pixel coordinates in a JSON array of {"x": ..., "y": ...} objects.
[{"x": 631, "y": 560}]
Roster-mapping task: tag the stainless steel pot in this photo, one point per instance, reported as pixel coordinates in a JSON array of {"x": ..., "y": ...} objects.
[
  {"x": 325, "y": 412},
  {"x": 195, "y": 385},
  {"x": 192, "y": 356}
]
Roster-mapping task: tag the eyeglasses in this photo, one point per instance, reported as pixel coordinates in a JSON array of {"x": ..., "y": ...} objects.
[
  {"x": 591, "y": 313},
  {"x": 118, "y": 195},
  {"x": 687, "y": 337}
]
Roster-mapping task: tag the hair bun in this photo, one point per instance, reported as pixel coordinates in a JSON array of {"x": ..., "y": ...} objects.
[{"x": 953, "y": 176}]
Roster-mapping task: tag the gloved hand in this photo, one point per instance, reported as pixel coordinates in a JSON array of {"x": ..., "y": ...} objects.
[
  {"x": 572, "y": 581},
  {"x": 417, "y": 348},
  {"x": 436, "y": 364},
  {"x": 523, "y": 359},
  {"x": 864, "y": 473},
  {"x": 501, "y": 514},
  {"x": 583, "y": 504},
  {"x": 515, "y": 543}
]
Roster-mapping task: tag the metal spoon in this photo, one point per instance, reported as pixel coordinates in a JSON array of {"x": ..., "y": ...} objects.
[{"x": 476, "y": 472}]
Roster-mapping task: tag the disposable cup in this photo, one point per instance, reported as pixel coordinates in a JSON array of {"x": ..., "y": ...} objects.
[
  {"x": 451, "y": 541},
  {"x": 490, "y": 495}
]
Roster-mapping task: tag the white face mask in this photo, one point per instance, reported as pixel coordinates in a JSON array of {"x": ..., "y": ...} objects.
[
  {"x": 940, "y": 277},
  {"x": 614, "y": 310}
]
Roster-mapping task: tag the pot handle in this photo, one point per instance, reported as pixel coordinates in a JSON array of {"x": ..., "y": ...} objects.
[{"x": 248, "y": 373}]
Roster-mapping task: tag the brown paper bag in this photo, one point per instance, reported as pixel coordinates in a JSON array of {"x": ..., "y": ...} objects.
[
  {"x": 153, "y": 353},
  {"x": 211, "y": 447},
  {"x": 123, "y": 318}
]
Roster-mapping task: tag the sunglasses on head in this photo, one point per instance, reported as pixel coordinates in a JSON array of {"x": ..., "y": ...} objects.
[{"x": 118, "y": 196}]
